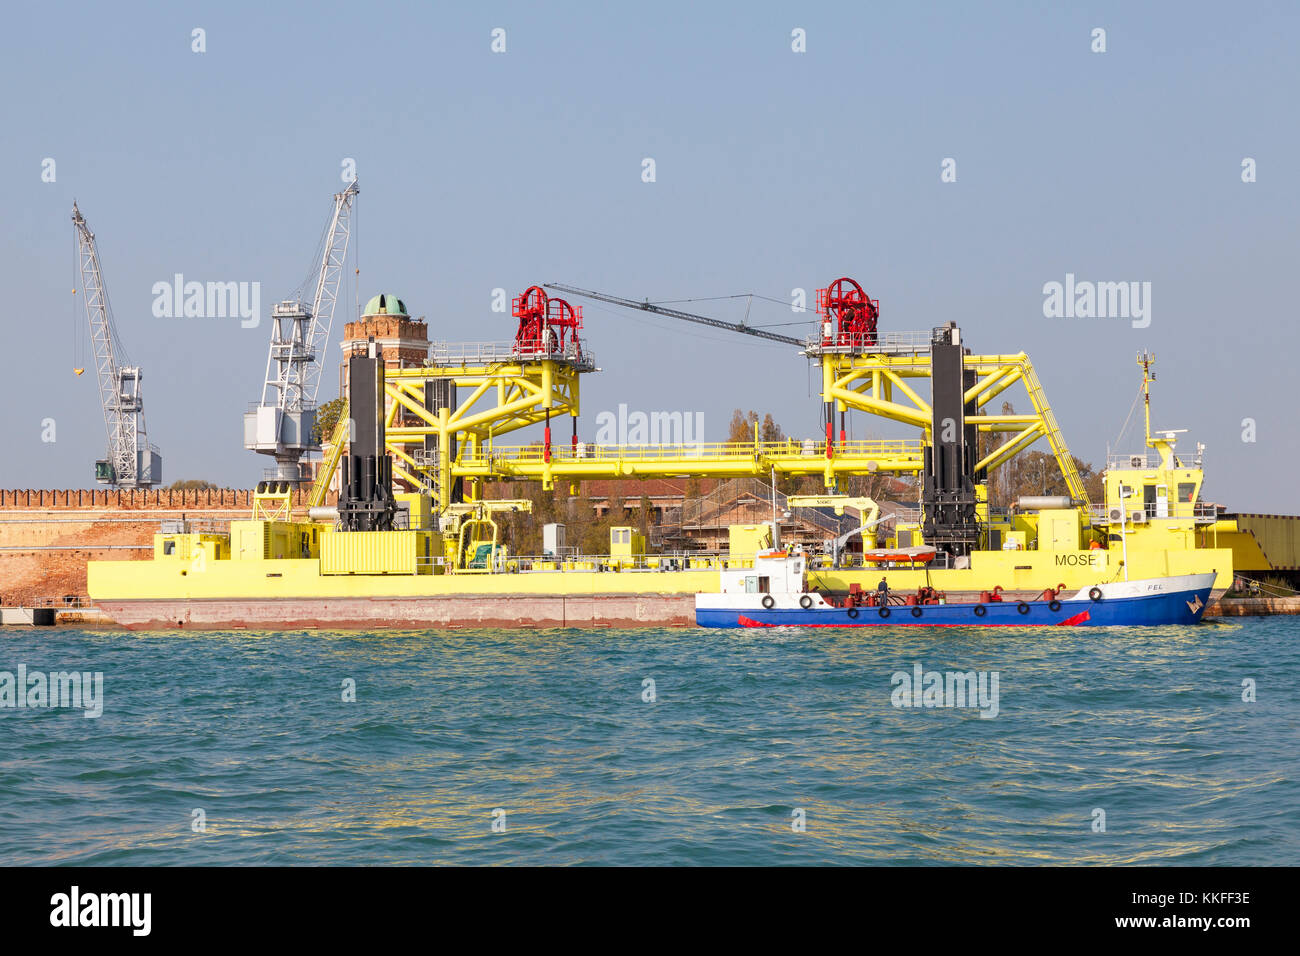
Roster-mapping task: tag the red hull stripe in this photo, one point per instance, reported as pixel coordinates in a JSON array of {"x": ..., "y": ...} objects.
[{"x": 1068, "y": 622}]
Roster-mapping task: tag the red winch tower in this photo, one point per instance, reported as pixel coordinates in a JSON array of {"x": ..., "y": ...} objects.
[
  {"x": 849, "y": 319},
  {"x": 848, "y": 314},
  {"x": 548, "y": 328}
]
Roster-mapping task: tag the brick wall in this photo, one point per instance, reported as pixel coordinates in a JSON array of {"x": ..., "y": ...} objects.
[
  {"x": 134, "y": 500},
  {"x": 48, "y": 535}
]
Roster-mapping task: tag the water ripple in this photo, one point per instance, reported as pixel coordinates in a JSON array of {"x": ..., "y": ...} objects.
[{"x": 748, "y": 733}]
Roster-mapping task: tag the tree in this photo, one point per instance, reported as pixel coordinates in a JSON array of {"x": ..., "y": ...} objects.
[
  {"x": 643, "y": 516},
  {"x": 877, "y": 486},
  {"x": 742, "y": 424},
  {"x": 192, "y": 484},
  {"x": 1033, "y": 473},
  {"x": 327, "y": 416},
  {"x": 1038, "y": 473}
]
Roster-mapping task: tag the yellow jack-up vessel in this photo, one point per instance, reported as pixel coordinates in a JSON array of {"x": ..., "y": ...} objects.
[{"x": 432, "y": 555}]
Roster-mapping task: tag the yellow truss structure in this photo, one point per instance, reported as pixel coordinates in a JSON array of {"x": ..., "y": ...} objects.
[
  {"x": 881, "y": 383},
  {"x": 498, "y": 398},
  {"x": 498, "y": 393}
]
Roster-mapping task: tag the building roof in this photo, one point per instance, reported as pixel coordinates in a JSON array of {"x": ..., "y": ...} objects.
[{"x": 385, "y": 304}]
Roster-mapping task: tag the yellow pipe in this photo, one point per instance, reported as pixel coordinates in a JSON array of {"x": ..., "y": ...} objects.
[
  {"x": 901, "y": 413},
  {"x": 907, "y": 390},
  {"x": 1011, "y": 448}
]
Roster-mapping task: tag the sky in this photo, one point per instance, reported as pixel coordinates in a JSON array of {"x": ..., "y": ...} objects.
[{"x": 774, "y": 170}]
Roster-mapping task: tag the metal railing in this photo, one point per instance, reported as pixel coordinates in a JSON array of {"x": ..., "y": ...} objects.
[
  {"x": 489, "y": 353},
  {"x": 69, "y": 601},
  {"x": 1144, "y": 460},
  {"x": 1202, "y": 512},
  {"x": 254, "y": 406},
  {"x": 882, "y": 343},
  {"x": 691, "y": 451}
]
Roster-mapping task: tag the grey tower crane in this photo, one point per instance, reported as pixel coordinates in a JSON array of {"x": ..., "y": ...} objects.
[
  {"x": 131, "y": 461},
  {"x": 281, "y": 423}
]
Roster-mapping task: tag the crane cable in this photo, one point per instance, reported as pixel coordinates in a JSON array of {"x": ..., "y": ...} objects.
[
  {"x": 1123, "y": 430},
  {"x": 740, "y": 295},
  {"x": 77, "y": 365}
]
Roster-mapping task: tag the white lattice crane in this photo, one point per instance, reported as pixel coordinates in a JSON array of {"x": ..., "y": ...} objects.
[
  {"x": 281, "y": 424},
  {"x": 131, "y": 461}
]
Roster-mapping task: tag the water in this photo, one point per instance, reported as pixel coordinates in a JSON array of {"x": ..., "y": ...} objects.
[{"x": 746, "y": 729}]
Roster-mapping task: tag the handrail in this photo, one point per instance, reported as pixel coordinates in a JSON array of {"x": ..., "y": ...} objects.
[
  {"x": 1201, "y": 511},
  {"x": 487, "y": 353},
  {"x": 690, "y": 451}
]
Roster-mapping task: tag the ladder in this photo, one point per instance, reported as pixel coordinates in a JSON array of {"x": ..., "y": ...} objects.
[{"x": 320, "y": 488}]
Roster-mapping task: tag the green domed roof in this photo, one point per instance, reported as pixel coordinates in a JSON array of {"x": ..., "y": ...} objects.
[{"x": 385, "y": 304}]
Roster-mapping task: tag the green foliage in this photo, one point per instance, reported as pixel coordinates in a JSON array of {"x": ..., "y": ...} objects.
[
  {"x": 1034, "y": 473},
  {"x": 327, "y": 416},
  {"x": 192, "y": 484}
]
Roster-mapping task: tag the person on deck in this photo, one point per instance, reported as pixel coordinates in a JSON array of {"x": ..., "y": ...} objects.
[{"x": 882, "y": 592}]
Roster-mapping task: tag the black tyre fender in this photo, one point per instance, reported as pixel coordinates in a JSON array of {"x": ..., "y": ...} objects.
[
  {"x": 884, "y": 612},
  {"x": 805, "y": 602},
  {"x": 980, "y": 610},
  {"x": 1095, "y": 594},
  {"x": 916, "y": 612},
  {"x": 1054, "y": 605},
  {"x": 1022, "y": 607},
  {"x": 853, "y": 613},
  {"x": 769, "y": 602}
]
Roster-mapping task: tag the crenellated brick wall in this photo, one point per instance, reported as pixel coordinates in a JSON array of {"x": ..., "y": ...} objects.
[
  {"x": 136, "y": 499},
  {"x": 47, "y": 535}
]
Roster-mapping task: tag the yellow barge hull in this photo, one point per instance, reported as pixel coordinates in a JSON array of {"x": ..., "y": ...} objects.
[{"x": 294, "y": 593}]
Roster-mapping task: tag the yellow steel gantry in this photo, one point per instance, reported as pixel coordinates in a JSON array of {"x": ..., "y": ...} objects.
[
  {"x": 499, "y": 391},
  {"x": 506, "y": 392},
  {"x": 876, "y": 379},
  {"x": 504, "y": 396}
]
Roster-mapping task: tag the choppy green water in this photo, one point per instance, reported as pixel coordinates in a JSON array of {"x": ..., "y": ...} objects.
[{"x": 746, "y": 729}]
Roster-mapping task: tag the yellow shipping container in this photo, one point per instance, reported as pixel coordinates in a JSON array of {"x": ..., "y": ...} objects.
[{"x": 377, "y": 552}]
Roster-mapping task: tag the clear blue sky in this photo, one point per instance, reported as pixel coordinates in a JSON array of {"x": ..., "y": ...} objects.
[{"x": 775, "y": 170}]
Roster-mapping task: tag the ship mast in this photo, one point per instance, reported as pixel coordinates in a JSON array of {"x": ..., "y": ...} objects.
[{"x": 1146, "y": 360}]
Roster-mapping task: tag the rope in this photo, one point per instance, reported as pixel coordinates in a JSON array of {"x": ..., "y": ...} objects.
[
  {"x": 1289, "y": 592},
  {"x": 1123, "y": 429},
  {"x": 680, "y": 330},
  {"x": 740, "y": 295}
]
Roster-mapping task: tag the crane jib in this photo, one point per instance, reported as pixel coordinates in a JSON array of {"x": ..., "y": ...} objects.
[
  {"x": 677, "y": 314},
  {"x": 130, "y": 462}
]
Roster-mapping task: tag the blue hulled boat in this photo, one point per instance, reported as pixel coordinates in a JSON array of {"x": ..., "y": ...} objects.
[{"x": 774, "y": 594}]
